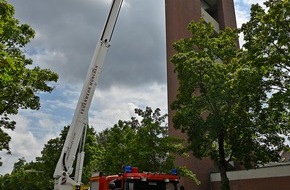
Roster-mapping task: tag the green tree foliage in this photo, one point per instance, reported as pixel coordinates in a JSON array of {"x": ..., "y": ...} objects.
[
  {"x": 20, "y": 83},
  {"x": 267, "y": 44},
  {"x": 52, "y": 150},
  {"x": 234, "y": 103},
  {"x": 92, "y": 152},
  {"x": 143, "y": 142},
  {"x": 39, "y": 174},
  {"x": 24, "y": 178}
]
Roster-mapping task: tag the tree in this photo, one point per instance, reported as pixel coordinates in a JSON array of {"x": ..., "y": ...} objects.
[
  {"x": 52, "y": 150},
  {"x": 92, "y": 153},
  {"x": 20, "y": 83},
  {"x": 24, "y": 178},
  {"x": 267, "y": 49},
  {"x": 39, "y": 174},
  {"x": 143, "y": 143},
  {"x": 220, "y": 101}
]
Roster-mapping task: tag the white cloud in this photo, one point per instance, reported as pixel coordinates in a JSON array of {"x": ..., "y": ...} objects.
[
  {"x": 250, "y": 2},
  {"x": 242, "y": 15},
  {"x": 118, "y": 103},
  {"x": 23, "y": 144}
]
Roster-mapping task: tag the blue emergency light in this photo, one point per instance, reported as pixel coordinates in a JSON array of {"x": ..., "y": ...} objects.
[
  {"x": 174, "y": 171},
  {"x": 128, "y": 169}
]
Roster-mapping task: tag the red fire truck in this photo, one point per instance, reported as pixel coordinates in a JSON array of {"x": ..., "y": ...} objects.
[{"x": 131, "y": 179}]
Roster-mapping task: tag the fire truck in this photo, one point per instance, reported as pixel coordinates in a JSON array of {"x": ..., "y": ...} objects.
[
  {"x": 74, "y": 143},
  {"x": 131, "y": 179}
]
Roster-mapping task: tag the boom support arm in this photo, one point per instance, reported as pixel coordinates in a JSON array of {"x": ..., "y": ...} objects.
[{"x": 64, "y": 168}]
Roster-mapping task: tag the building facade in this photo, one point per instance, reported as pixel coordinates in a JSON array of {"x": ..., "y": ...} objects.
[
  {"x": 273, "y": 176},
  {"x": 179, "y": 13}
]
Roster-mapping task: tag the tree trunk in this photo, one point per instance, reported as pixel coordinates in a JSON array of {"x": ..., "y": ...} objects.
[{"x": 225, "y": 184}]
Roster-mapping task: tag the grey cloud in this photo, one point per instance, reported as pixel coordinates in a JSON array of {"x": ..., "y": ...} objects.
[{"x": 72, "y": 28}]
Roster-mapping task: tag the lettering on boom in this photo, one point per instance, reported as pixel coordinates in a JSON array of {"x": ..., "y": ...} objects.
[{"x": 89, "y": 89}]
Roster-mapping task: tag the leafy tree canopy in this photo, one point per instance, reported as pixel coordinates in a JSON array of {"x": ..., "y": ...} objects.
[
  {"x": 39, "y": 174},
  {"x": 20, "y": 82},
  {"x": 267, "y": 49},
  {"x": 141, "y": 141},
  {"x": 234, "y": 103},
  {"x": 25, "y": 176}
]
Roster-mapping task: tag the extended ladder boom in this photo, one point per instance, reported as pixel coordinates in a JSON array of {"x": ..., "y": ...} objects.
[{"x": 80, "y": 119}]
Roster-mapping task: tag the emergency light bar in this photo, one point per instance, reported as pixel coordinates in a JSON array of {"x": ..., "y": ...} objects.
[{"x": 130, "y": 169}]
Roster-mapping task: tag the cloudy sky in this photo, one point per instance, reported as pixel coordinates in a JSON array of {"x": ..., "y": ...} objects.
[{"x": 134, "y": 72}]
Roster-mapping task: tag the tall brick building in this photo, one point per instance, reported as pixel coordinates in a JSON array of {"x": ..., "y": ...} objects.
[{"x": 178, "y": 15}]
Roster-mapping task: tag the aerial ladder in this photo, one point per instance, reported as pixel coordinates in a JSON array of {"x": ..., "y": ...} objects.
[{"x": 77, "y": 131}]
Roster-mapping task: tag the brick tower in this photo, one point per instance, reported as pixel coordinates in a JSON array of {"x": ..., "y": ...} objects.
[{"x": 178, "y": 15}]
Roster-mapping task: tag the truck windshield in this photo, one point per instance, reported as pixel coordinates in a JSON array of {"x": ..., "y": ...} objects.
[{"x": 150, "y": 185}]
